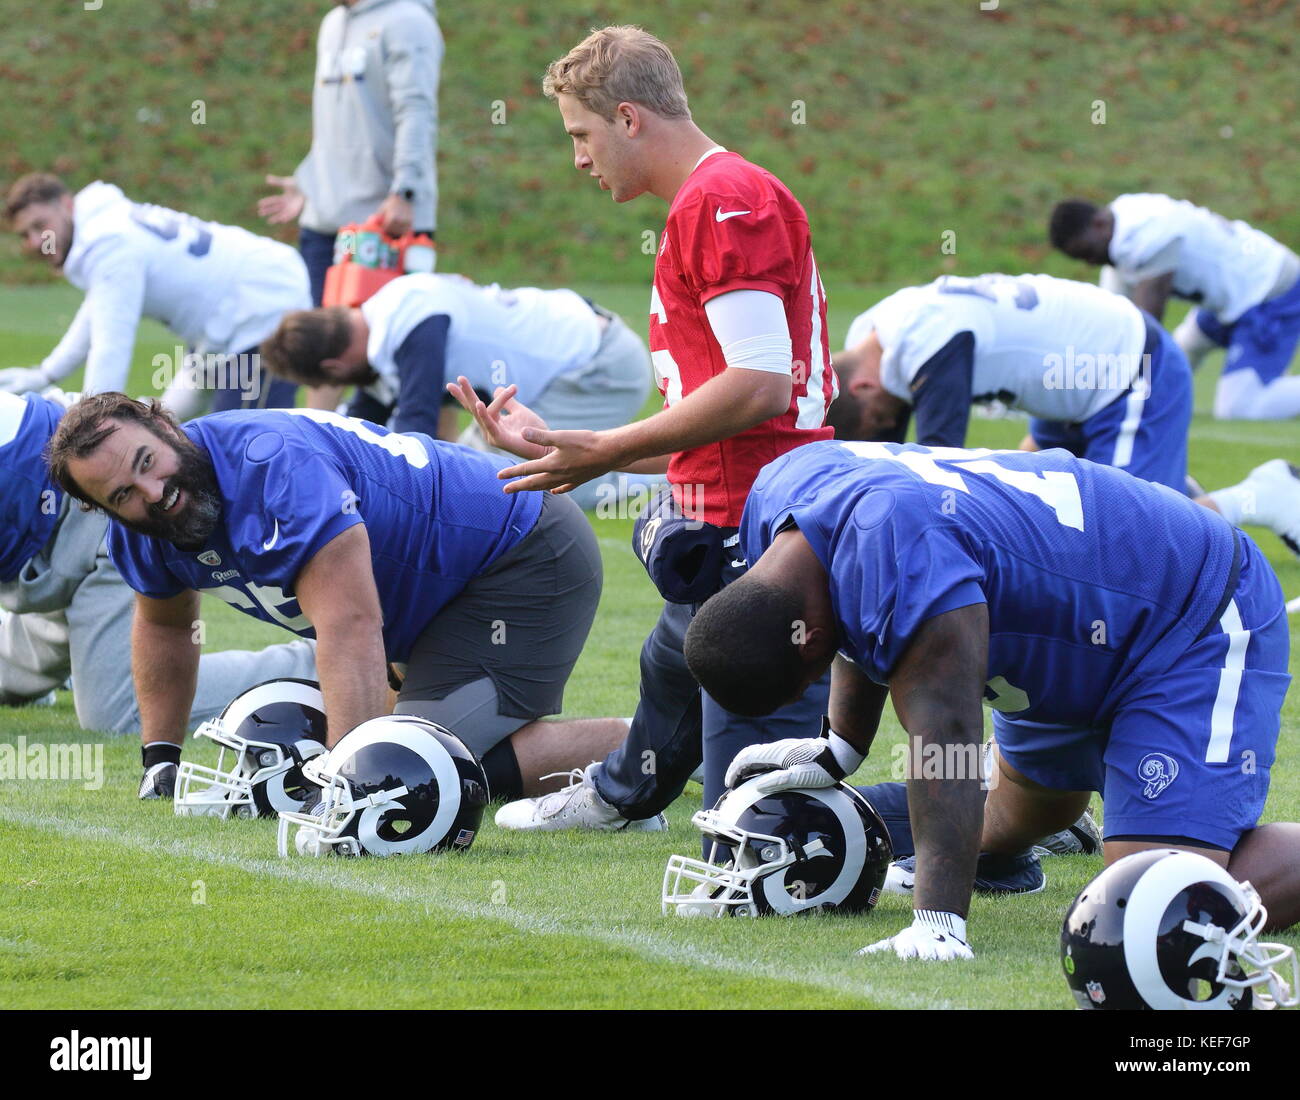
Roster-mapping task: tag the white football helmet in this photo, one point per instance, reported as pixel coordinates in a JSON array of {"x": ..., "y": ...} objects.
[
  {"x": 783, "y": 853},
  {"x": 396, "y": 784},
  {"x": 270, "y": 730},
  {"x": 1165, "y": 929}
]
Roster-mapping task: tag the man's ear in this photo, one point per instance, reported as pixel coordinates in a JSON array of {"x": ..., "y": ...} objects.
[
  {"x": 860, "y": 383},
  {"x": 628, "y": 116},
  {"x": 818, "y": 643}
]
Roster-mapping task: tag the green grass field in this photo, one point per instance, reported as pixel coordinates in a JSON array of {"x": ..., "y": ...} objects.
[
  {"x": 894, "y": 124},
  {"x": 96, "y": 887}
]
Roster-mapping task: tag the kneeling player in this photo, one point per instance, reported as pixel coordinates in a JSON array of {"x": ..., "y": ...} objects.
[
  {"x": 1099, "y": 377},
  {"x": 384, "y": 547},
  {"x": 1149, "y": 668},
  {"x": 575, "y": 364},
  {"x": 65, "y": 611},
  {"x": 1247, "y": 286}
]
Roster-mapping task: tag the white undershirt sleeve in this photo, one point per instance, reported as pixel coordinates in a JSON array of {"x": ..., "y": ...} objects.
[
  {"x": 70, "y": 352},
  {"x": 115, "y": 298},
  {"x": 751, "y": 328}
]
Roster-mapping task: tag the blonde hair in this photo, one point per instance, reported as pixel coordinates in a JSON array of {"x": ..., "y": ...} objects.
[{"x": 616, "y": 65}]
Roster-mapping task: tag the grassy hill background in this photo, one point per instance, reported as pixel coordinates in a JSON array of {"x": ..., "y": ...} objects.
[{"x": 917, "y": 118}]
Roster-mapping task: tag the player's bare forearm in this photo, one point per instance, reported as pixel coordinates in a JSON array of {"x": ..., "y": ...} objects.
[
  {"x": 352, "y": 670},
  {"x": 937, "y": 689},
  {"x": 855, "y": 704},
  {"x": 165, "y": 665},
  {"x": 1152, "y": 294},
  {"x": 733, "y": 402},
  {"x": 656, "y": 465},
  {"x": 336, "y": 591}
]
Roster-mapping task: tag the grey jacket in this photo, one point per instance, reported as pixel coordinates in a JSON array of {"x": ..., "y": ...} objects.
[{"x": 374, "y": 113}]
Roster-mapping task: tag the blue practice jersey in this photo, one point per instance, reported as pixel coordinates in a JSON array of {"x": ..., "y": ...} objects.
[
  {"x": 292, "y": 481},
  {"x": 1089, "y": 574},
  {"x": 29, "y": 501}
]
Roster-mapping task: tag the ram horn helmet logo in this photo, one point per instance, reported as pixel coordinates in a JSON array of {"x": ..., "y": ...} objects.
[
  {"x": 648, "y": 536},
  {"x": 1157, "y": 770}
]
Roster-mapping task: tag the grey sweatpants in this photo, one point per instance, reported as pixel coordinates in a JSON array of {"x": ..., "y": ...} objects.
[
  {"x": 68, "y": 613},
  {"x": 605, "y": 392}
]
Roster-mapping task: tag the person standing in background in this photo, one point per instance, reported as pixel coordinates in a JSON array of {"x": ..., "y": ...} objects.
[{"x": 374, "y": 130}]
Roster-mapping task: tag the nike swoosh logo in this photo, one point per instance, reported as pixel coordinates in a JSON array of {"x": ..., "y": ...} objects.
[
  {"x": 275, "y": 537},
  {"x": 730, "y": 214}
]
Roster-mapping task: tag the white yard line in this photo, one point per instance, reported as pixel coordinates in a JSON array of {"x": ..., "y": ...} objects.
[{"x": 333, "y": 874}]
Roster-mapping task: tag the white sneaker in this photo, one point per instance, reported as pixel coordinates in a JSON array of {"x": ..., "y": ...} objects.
[
  {"x": 1276, "y": 485},
  {"x": 577, "y": 806}
]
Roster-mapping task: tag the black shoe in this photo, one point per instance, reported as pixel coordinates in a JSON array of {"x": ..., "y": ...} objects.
[
  {"x": 994, "y": 874},
  {"x": 1081, "y": 838}
]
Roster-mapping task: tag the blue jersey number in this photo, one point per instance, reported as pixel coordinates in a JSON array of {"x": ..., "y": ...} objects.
[
  {"x": 987, "y": 286},
  {"x": 1055, "y": 488},
  {"x": 167, "y": 224}
]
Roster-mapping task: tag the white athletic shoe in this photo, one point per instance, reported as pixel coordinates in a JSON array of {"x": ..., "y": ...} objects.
[
  {"x": 1276, "y": 486},
  {"x": 577, "y": 806}
]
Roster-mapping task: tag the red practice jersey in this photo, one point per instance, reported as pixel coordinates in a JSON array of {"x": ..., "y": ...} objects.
[{"x": 735, "y": 226}]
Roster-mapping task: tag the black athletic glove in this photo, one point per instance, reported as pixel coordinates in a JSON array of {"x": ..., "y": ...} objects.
[{"x": 160, "y": 759}]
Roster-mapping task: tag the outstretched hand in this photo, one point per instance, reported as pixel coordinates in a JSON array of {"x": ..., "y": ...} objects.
[
  {"x": 284, "y": 207},
  {"x": 502, "y": 422}
]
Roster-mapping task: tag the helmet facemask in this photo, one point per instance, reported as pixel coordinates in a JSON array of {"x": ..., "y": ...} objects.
[
  {"x": 726, "y": 881},
  {"x": 782, "y": 853},
  {"x": 228, "y": 788},
  {"x": 327, "y": 825},
  {"x": 1258, "y": 964}
]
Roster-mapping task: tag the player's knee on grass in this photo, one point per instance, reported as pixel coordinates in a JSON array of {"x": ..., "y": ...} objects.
[
  {"x": 1240, "y": 395},
  {"x": 114, "y": 712}
]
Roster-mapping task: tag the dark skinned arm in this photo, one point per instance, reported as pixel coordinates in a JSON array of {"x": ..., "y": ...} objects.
[
  {"x": 1152, "y": 294},
  {"x": 855, "y": 704},
  {"x": 937, "y": 688},
  {"x": 336, "y": 591}
]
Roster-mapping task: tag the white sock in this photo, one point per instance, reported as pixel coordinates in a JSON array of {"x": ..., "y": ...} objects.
[{"x": 1231, "y": 502}]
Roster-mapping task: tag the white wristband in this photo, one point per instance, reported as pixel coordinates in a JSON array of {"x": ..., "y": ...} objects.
[{"x": 846, "y": 756}]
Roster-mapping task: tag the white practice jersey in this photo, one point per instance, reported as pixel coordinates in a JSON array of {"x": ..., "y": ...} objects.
[
  {"x": 1057, "y": 349},
  {"x": 219, "y": 288},
  {"x": 1226, "y": 266},
  {"x": 495, "y": 336}
]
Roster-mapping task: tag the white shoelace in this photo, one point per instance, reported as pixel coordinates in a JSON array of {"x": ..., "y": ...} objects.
[{"x": 560, "y": 799}]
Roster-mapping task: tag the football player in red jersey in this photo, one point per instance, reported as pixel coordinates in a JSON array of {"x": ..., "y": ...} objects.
[{"x": 738, "y": 339}]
